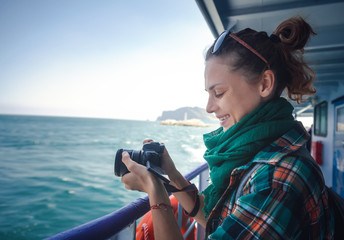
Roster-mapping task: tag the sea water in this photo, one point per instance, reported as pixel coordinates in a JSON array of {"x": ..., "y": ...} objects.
[{"x": 57, "y": 172}]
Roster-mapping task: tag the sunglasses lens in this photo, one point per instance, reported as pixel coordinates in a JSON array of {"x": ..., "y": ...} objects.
[{"x": 219, "y": 41}]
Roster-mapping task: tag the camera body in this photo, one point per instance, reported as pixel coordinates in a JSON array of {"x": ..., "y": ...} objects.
[{"x": 149, "y": 156}]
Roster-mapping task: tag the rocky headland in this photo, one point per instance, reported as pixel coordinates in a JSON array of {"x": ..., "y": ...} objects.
[{"x": 187, "y": 116}]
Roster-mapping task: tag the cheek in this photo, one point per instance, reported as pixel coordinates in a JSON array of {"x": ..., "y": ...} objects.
[
  {"x": 248, "y": 106},
  {"x": 243, "y": 102}
]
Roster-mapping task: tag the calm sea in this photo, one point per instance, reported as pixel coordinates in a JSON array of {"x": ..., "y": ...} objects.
[{"x": 57, "y": 173}]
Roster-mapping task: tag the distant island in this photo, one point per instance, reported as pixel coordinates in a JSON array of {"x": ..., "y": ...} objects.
[{"x": 187, "y": 116}]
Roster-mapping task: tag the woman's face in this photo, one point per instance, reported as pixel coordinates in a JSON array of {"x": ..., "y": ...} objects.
[{"x": 231, "y": 97}]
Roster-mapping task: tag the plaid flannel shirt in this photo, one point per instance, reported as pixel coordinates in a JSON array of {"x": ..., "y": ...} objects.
[{"x": 284, "y": 198}]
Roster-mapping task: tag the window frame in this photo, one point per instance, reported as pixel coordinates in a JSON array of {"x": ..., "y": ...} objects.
[
  {"x": 341, "y": 107},
  {"x": 321, "y": 119}
]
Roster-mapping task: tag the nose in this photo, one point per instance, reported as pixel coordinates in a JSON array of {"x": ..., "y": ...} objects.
[{"x": 211, "y": 106}]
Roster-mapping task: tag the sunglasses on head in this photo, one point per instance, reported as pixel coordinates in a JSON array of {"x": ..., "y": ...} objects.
[{"x": 219, "y": 42}]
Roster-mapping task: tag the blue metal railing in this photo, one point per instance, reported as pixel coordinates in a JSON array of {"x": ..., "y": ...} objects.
[{"x": 109, "y": 225}]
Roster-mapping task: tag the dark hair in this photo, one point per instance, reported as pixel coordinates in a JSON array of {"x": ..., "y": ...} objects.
[{"x": 285, "y": 57}]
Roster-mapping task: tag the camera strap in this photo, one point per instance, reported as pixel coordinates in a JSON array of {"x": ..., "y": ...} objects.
[{"x": 172, "y": 189}]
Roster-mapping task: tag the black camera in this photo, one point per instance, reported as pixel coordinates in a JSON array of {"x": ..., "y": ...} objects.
[{"x": 149, "y": 156}]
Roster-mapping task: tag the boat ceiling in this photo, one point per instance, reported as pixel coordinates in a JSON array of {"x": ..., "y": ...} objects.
[{"x": 325, "y": 52}]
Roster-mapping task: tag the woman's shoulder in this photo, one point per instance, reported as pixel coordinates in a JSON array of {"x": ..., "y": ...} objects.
[{"x": 292, "y": 172}]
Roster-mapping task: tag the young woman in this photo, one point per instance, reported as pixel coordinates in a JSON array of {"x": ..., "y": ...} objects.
[{"x": 263, "y": 185}]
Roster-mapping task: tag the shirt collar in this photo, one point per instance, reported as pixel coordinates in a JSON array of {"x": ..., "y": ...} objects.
[{"x": 289, "y": 142}]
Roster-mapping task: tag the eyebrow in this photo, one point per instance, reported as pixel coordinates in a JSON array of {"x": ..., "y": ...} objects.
[{"x": 213, "y": 86}]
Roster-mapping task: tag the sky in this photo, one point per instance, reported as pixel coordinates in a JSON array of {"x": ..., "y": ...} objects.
[{"x": 122, "y": 59}]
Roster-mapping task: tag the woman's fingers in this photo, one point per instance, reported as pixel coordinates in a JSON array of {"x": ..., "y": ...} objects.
[
  {"x": 127, "y": 161},
  {"x": 148, "y": 140},
  {"x": 129, "y": 181},
  {"x": 133, "y": 166},
  {"x": 137, "y": 176}
]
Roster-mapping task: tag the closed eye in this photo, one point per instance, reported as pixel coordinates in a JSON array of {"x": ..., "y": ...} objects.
[{"x": 219, "y": 95}]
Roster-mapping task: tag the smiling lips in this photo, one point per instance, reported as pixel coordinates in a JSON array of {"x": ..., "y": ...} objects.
[{"x": 224, "y": 118}]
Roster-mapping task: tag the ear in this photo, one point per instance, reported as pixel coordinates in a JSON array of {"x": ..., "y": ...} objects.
[{"x": 267, "y": 84}]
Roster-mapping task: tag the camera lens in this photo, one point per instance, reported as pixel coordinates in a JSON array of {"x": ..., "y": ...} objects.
[
  {"x": 120, "y": 168},
  {"x": 150, "y": 153}
]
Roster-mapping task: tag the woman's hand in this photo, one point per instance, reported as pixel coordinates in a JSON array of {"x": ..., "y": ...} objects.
[
  {"x": 138, "y": 178},
  {"x": 164, "y": 223},
  {"x": 186, "y": 199},
  {"x": 167, "y": 163}
]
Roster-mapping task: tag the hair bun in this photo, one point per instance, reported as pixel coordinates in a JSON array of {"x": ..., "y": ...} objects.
[{"x": 294, "y": 33}]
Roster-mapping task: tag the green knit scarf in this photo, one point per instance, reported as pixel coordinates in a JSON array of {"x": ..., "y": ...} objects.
[{"x": 240, "y": 143}]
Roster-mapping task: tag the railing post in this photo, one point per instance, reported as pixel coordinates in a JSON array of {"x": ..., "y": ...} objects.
[
  {"x": 203, "y": 183},
  {"x": 126, "y": 233},
  {"x": 203, "y": 179},
  {"x": 180, "y": 215}
]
